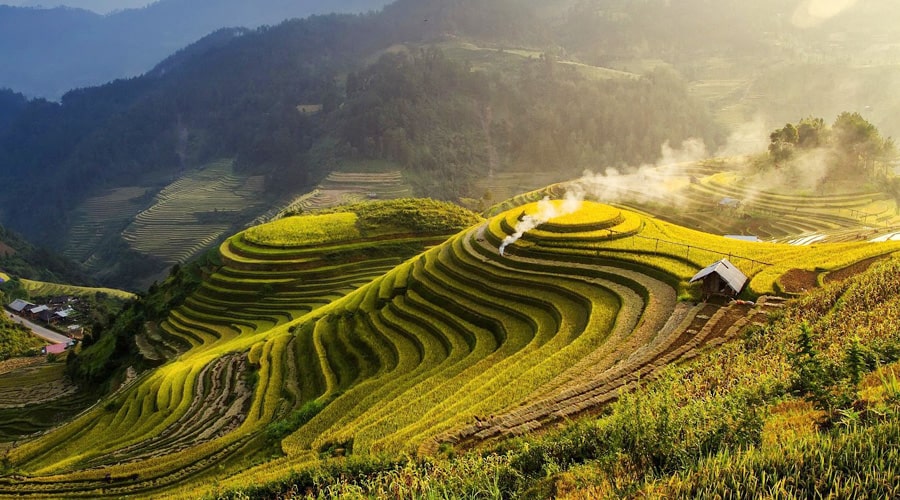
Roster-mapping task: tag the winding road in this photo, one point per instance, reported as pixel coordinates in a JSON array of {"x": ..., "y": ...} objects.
[{"x": 40, "y": 331}]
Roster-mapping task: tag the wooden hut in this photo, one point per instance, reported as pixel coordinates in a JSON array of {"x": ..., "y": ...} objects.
[{"x": 721, "y": 279}]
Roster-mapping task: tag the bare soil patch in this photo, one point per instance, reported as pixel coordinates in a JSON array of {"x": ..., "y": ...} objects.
[{"x": 799, "y": 281}]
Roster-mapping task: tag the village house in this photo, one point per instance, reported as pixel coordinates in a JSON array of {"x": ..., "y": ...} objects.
[
  {"x": 58, "y": 313},
  {"x": 18, "y": 306}
]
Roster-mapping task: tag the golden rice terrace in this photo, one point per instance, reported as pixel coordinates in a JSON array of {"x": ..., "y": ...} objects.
[{"x": 296, "y": 354}]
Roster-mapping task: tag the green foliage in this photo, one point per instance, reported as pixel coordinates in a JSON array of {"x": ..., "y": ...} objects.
[
  {"x": 13, "y": 289},
  {"x": 109, "y": 348},
  {"x": 812, "y": 377},
  {"x": 409, "y": 215},
  {"x": 22, "y": 259},
  {"x": 855, "y": 147},
  {"x": 279, "y": 429},
  {"x": 16, "y": 339}
]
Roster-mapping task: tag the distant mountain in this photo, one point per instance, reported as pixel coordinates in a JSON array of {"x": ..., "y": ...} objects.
[
  {"x": 46, "y": 52},
  {"x": 98, "y": 6},
  {"x": 395, "y": 87},
  {"x": 445, "y": 92}
]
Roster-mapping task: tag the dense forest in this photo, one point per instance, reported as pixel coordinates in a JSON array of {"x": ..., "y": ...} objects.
[
  {"x": 11, "y": 104},
  {"x": 234, "y": 94},
  {"x": 20, "y": 258},
  {"x": 386, "y": 87}
]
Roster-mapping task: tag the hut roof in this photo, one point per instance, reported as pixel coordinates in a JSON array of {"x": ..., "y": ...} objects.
[
  {"x": 727, "y": 271},
  {"x": 19, "y": 305}
]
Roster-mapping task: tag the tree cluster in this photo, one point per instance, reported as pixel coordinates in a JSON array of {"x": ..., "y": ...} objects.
[{"x": 855, "y": 148}]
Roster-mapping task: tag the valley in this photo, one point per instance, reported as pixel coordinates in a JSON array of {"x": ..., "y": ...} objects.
[{"x": 468, "y": 249}]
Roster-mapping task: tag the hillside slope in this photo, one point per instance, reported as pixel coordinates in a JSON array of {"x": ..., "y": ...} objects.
[
  {"x": 106, "y": 152},
  {"x": 803, "y": 403},
  {"x": 563, "y": 319}
]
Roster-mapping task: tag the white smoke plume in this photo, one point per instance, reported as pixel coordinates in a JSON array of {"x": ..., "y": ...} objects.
[
  {"x": 546, "y": 210},
  {"x": 647, "y": 183},
  {"x": 747, "y": 138}
]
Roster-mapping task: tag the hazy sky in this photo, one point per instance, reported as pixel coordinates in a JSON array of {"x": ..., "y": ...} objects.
[
  {"x": 99, "y": 6},
  {"x": 812, "y": 12}
]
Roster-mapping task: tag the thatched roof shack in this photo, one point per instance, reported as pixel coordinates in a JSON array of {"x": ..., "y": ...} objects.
[{"x": 721, "y": 278}]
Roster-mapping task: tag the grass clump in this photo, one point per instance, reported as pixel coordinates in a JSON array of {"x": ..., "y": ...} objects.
[{"x": 282, "y": 428}]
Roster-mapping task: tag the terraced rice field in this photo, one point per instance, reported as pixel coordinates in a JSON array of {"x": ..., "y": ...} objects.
[
  {"x": 195, "y": 413},
  {"x": 34, "y": 396},
  {"x": 458, "y": 344},
  {"x": 193, "y": 212},
  {"x": 800, "y": 218},
  {"x": 341, "y": 188},
  {"x": 44, "y": 289},
  {"x": 99, "y": 217},
  {"x": 505, "y": 185},
  {"x": 692, "y": 194}
]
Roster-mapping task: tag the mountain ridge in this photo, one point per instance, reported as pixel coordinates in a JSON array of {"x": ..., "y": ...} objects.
[{"x": 43, "y": 50}]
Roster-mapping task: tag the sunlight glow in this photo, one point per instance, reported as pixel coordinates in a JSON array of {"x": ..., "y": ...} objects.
[{"x": 811, "y": 13}]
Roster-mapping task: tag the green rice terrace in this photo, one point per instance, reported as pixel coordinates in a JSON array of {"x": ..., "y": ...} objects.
[
  {"x": 193, "y": 212},
  {"x": 351, "y": 187},
  {"x": 182, "y": 218},
  {"x": 406, "y": 327}
]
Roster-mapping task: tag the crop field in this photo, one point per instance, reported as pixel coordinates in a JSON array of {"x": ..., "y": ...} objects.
[
  {"x": 482, "y": 58},
  {"x": 506, "y": 185},
  {"x": 193, "y": 212},
  {"x": 43, "y": 289},
  {"x": 341, "y": 188},
  {"x": 696, "y": 195},
  {"x": 99, "y": 217},
  {"x": 373, "y": 337},
  {"x": 36, "y": 397},
  {"x": 781, "y": 217},
  {"x": 309, "y": 230}
]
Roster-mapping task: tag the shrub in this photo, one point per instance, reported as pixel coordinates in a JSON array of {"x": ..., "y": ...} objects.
[{"x": 281, "y": 428}]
